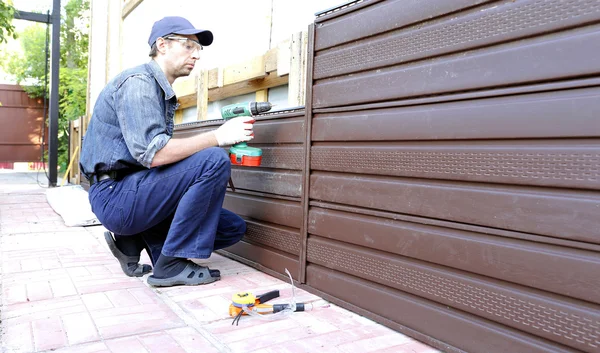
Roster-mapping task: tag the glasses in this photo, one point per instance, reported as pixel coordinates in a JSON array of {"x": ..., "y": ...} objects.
[{"x": 189, "y": 45}]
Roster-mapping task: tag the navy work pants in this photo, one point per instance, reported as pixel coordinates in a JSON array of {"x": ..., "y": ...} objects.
[{"x": 176, "y": 209}]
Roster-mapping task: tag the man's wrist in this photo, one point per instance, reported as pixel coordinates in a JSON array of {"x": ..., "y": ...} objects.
[{"x": 212, "y": 136}]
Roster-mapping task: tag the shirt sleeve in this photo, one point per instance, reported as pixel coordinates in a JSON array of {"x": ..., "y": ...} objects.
[{"x": 142, "y": 118}]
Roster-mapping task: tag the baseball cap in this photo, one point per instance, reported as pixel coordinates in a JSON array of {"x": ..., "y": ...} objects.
[{"x": 178, "y": 25}]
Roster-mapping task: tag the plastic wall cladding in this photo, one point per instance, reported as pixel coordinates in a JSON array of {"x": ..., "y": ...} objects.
[
  {"x": 21, "y": 120},
  {"x": 454, "y": 183},
  {"x": 268, "y": 197}
]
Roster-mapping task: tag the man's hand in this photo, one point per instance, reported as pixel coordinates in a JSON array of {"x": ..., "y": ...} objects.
[{"x": 235, "y": 130}]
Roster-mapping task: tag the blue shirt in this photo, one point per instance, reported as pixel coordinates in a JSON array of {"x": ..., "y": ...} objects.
[{"x": 131, "y": 121}]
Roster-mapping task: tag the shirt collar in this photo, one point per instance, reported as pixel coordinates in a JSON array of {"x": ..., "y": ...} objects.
[{"x": 161, "y": 79}]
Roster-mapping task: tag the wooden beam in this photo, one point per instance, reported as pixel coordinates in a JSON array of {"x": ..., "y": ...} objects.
[
  {"x": 262, "y": 95},
  {"x": 178, "y": 119},
  {"x": 247, "y": 70},
  {"x": 297, "y": 81},
  {"x": 202, "y": 95},
  {"x": 271, "y": 59},
  {"x": 129, "y": 6},
  {"x": 184, "y": 86},
  {"x": 284, "y": 58},
  {"x": 236, "y": 89}
]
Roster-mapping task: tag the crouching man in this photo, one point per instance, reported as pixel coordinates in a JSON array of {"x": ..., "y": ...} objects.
[{"x": 151, "y": 191}]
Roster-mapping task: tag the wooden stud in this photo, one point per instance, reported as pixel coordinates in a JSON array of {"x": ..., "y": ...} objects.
[
  {"x": 202, "y": 95},
  {"x": 262, "y": 95},
  {"x": 236, "y": 89},
  {"x": 220, "y": 77},
  {"x": 178, "y": 119},
  {"x": 213, "y": 78},
  {"x": 284, "y": 58},
  {"x": 129, "y": 6},
  {"x": 271, "y": 59},
  {"x": 297, "y": 80}
]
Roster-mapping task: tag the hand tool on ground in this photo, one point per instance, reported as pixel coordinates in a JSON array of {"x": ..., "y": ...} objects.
[
  {"x": 241, "y": 153},
  {"x": 245, "y": 303}
]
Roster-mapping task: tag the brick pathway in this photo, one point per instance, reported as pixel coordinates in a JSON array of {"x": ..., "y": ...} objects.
[{"x": 62, "y": 291}]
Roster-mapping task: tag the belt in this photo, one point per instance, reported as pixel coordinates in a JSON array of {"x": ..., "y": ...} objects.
[{"x": 103, "y": 176}]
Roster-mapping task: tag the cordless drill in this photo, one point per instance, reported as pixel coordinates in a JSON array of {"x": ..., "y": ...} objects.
[{"x": 241, "y": 153}]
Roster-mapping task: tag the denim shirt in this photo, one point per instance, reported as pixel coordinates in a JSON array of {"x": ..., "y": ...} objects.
[{"x": 131, "y": 121}]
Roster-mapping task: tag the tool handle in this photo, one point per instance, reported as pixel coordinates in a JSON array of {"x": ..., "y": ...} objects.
[
  {"x": 280, "y": 307},
  {"x": 263, "y": 298}
]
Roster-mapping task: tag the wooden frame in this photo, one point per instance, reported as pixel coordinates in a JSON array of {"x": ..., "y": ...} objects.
[
  {"x": 284, "y": 64},
  {"x": 128, "y": 6}
]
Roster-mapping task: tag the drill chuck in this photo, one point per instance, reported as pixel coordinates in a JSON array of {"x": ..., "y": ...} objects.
[{"x": 260, "y": 107}]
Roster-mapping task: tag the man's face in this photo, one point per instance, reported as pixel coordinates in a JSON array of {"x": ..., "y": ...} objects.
[{"x": 181, "y": 54}]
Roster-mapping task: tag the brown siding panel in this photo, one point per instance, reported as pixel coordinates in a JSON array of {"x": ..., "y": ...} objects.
[
  {"x": 557, "y": 56},
  {"x": 447, "y": 183},
  {"x": 557, "y": 269},
  {"x": 455, "y": 170},
  {"x": 487, "y": 25},
  {"x": 454, "y": 327},
  {"x": 501, "y": 303},
  {"x": 268, "y": 197}
]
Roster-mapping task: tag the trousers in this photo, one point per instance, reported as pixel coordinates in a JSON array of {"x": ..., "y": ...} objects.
[{"x": 176, "y": 209}]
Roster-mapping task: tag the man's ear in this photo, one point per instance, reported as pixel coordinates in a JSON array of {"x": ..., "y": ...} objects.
[{"x": 161, "y": 45}]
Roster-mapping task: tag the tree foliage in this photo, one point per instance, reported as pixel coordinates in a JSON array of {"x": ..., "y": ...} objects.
[
  {"x": 29, "y": 68},
  {"x": 7, "y": 11}
]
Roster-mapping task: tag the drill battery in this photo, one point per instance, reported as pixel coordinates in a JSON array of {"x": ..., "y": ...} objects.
[{"x": 242, "y": 154}]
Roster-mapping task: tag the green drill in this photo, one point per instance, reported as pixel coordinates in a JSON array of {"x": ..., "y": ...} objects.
[{"x": 241, "y": 153}]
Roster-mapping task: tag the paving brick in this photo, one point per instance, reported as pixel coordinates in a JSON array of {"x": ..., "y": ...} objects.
[
  {"x": 144, "y": 295},
  {"x": 138, "y": 327},
  {"x": 93, "y": 286},
  {"x": 50, "y": 263},
  {"x": 39, "y": 291},
  {"x": 17, "y": 337},
  {"x": 185, "y": 294},
  {"x": 79, "y": 328},
  {"x": 201, "y": 312},
  {"x": 247, "y": 329},
  {"x": 11, "y": 267},
  {"x": 160, "y": 342},
  {"x": 95, "y": 347},
  {"x": 373, "y": 344},
  {"x": 35, "y": 276},
  {"x": 62, "y": 288},
  {"x": 23, "y": 312},
  {"x": 410, "y": 347},
  {"x": 119, "y": 322},
  {"x": 126, "y": 345},
  {"x": 192, "y": 341},
  {"x": 266, "y": 339},
  {"x": 96, "y": 301},
  {"x": 48, "y": 334},
  {"x": 314, "y": 324},
  {"x": 121, "y": 298},
  {"x": 78, "y": 272},
  {"x": 14, "y": 293}
]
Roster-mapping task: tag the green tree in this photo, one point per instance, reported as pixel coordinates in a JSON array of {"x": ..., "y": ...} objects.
[
  {"x": 30, "y": 67},
  {"x": 7, "y": 11}
]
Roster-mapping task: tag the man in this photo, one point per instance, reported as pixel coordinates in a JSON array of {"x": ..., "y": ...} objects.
[{"x": 153, "y": 191}]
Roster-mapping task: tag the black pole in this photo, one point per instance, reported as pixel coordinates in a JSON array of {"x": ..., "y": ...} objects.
[{"x": 55, "y": 69}]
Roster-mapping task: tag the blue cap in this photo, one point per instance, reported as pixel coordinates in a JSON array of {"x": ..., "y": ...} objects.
[{"x": 178, "y": 25}]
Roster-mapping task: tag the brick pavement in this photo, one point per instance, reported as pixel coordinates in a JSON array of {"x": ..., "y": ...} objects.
[{"x": 62, "y": 291}]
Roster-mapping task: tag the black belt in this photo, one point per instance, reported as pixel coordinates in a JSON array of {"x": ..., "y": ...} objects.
[{"x": 103, "y": 176}]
